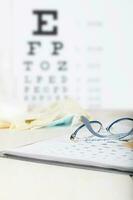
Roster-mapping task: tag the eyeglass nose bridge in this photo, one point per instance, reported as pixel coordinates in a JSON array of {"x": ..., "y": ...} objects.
[{"x": 108, "y": 128}]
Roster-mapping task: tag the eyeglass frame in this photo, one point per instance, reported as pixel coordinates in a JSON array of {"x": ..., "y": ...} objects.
[{"x": 87, "y": 123}]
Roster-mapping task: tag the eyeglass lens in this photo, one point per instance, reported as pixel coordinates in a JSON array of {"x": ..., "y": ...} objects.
[{"x": 121, "y": 126}]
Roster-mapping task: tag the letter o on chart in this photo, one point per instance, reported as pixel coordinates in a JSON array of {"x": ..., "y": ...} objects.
[{"x": 45, "y": 65}]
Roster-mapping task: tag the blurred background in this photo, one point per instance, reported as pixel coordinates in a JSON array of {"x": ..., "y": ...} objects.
[{"x": 51, "y": 50}]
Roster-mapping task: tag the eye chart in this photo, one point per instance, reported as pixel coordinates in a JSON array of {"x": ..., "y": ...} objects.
[{"x": 65, "y": 49}]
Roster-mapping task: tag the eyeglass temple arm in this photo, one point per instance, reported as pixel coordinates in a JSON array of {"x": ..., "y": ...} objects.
[
  {"x": 89, "y": 127},
  {"x": 72, "y": 137}
]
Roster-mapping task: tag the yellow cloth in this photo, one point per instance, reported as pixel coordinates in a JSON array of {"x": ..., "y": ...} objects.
[{"x": 44, "y": 116}]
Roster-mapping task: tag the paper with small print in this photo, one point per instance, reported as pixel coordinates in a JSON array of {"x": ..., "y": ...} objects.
[{"x": 106, "y": 154}]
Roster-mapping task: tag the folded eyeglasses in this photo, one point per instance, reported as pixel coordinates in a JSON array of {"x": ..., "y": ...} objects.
[{"x": 119, "y": 129}]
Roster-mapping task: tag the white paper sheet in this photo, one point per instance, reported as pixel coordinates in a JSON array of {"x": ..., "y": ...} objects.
[{"x": 103, "y": 153}]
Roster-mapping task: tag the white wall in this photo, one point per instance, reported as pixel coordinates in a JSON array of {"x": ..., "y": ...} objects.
[
  {"x": 5, "y": 50},
  {"x": 117, "y": 70}
]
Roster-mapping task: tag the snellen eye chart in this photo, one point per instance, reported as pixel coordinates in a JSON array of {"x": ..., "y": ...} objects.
[{"x": 63, "y": 49}]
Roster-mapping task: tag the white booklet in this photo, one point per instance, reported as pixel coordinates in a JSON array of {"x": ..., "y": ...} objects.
[{"x": 95, "y": 154}]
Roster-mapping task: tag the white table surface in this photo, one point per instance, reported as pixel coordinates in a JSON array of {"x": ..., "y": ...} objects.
[{"x": 21, "y": 180}]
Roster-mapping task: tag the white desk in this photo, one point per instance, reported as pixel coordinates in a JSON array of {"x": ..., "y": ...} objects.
[{"x": 20, "y": 180}]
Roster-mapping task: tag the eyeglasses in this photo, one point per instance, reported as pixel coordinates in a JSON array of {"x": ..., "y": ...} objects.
[{"x": 118, "y": 129}]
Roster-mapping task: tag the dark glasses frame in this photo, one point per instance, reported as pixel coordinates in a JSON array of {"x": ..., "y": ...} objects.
[{"x": 87, "y": 123}]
